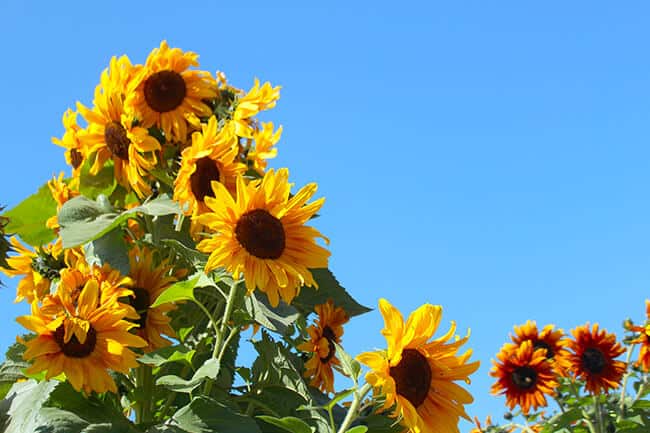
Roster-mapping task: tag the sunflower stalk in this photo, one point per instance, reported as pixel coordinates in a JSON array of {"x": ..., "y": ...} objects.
[
  {"x": 353, "y": 411},
  {"x": 628, "y": 357}
]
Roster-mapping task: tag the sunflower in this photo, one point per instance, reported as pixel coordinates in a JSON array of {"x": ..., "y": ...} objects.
[
  {"x": 417, "y": 375},
  {"x": 75, "y": 154},
  {"x": 149, "y": 281},
  {"x": 61, "y": 193},
  {"x": 264, "y": 138},
  {"x": 257, "y": 99},
  {"x": 113, "y": 135},
  {"x": 39, "y": 269},
  {"x": 644, "y": 340},
  {"x": 165, "y": 92},
  {"x": 262, "y": 235},
  {"x": 594, "y": 358},
  {"x": 211, "y": 157},
  {"x": 84, "y": 343},
  {"x": 524, "y": 375},
  {"x": 326, "y": 331},
  {"x": 551, "y": 339}
]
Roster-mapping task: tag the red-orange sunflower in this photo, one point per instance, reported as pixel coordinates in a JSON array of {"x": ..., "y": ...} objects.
[
  {"x": 550, "y": 338},
  {"x": 643, "y": 340},
  {"x": 594, "y": 358}
]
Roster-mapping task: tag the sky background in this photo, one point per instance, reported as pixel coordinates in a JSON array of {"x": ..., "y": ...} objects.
[{"x": 491, "y": 157}]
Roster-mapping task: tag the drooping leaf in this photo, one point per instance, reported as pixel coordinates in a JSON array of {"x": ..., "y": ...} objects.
[
  {"x": 328, "y": 288},
  {"x": 28, "y": 218},
  {"x": 110, "y": 248},
  {"x": 276, "y": 319},
  {"x": 205, "y": 415},
  {"x": 165, "y": 355},
  {"x": 209, "y": 370},
  {"x": 180, "y": 291},
  {"x": 287, "y": 423},
  {"x": 349, "y": 365}
]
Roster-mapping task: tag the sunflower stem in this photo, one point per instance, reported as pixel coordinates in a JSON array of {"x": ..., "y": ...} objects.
[
  {"x": 354, "y": 407},
  {"x": 598, "y": 414},
  {"x": 621, "y": 411}
]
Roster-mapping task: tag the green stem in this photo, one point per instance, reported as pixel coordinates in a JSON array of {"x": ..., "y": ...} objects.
[
  {"x": 598, "y": 414},
  {"x": 144, "y": 381},
  {"x": 354, "y": 407},
  {"x": 559, "y": 403},
  {"x": 624, "y": 385}
]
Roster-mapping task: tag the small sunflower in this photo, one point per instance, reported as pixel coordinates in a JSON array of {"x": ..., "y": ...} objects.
[
  {"x": 75, "y": 154},
  {"x": 264, "y": 138},
  {"x": 149, "y": 281},
  {"x": 594, "y": 358},
  {"x": 165, "y": 92},
  {"x": 39, "y": 269},
  {"x": 643, "y": 340},
  {"x": 417, "y": 375},
  {"x": 84, "y": 343},
  {"x": 257, "y": 99},
  {"x": 326, "y": 331},
  {"x": 262, "y": 235},
  {"x": 551, "y": 339},
  {"x": 61, "y": 193},
  {"x": 524, "y": 375},
  {"x": 211, "y": 157},
  {"x": 113, "y": 135}
]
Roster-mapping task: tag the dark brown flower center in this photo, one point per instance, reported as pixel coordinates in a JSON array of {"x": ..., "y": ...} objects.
[
  {"x": 76, "y": 158},
  {"x": 261, "y": 234},
  {"x": 544, "y": 345},
  {"x": 524, "y": 377},
  {"x": 200, "y": 181},
  {"x": 412, "y": 377},
  {"x": 593, "y": 360},
  {"x": 140, "y": 301},
  {"x": 331, "y": 338},
  {"x": 164, "y": 91},
  {"x": 117, "y": 140},
  {"x": 73, "y": 348}
]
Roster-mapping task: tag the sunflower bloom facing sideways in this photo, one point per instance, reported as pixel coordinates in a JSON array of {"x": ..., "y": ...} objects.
[
  {"x": 257, "y": 99},
  {"x": 165, "y": 92},
  {"x": 262, "y": 235},
  {"x": 211, "y": 157},
  {"x": 524, "y": 375},
  {"x": 417, "y": 375},
  {"x": 551, "y": 339},
  {"x": 594, "y": 358},
  {"x": 61, "y": 193},
  {"x": 75, "y": 152},
  {"x": 326, "y": 331},
  {"x": 149, "y": 281},
  {"x": 643, "y": 340},
  {"x": 83, "y": 344}
]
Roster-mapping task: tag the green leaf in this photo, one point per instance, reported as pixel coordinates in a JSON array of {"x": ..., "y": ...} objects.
[
  {"x": 12, "y": 368},
  {"x": 338, "y": 397},
  {"x": 276, "y": 319},
  {"x": 358, "y": 429},
  {"x": 205, "y": 415},
  {"x": 28, "y": 218},
  {"x": 103, "y": 182},
  {"x": 110, "y": 248},
  {"x": 288, "y": 423},
  {"x": 209, "y": 370},
  {"x": 83, "y": 220},
  {"x": 180, "y": 291},
  {"x": 349, "y": 365},
  {"x": 165, "y": 355},
  {"x": 328, "y": 288},
  {"x": 190, "y": 255}
]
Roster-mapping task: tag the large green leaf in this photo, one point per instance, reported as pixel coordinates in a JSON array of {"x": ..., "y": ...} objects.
[
  {"x": 12, "y": 368},
  {"x": 180, "y": 291},
  {"x": 83, "y": 220},
  {"x": 287, "y": 423},
  {"x": 205, "y": 415},
  {"x": 28, "y": 218},
  {"x": 209, "y": 370},
  {"x": 110, "y": 248},
  {"x": 328, "y": 288},
  {"x": 276, "y": 319}
]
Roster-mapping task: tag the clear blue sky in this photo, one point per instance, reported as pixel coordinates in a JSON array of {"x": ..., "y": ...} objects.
[{"x": 491, "y": 157}]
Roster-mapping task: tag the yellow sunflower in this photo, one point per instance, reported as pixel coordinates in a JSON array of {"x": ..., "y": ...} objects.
[
  {"x": 264, "y": 138},
  {"x": 594, "y": 358},
  {"x": 262, "y": 235},
  {"x": 643, "y": 340},
  {"x": 211, "y": 157},
  {"x": 75, "y": 154},
  {"x": 165, "y": 92},
  {"x": 524, "y": 375},
  {"x": 326, "y": 331},
  {"x": 149, "y": 281},
  {"x": 112, "y": 134},
  {"x": 39, "y": 269},
  {"x": 417, "y": 375},
  {"x": 84, "y": 343},
  {"x": 257, "y": 99},
  {"x": 61, "y": 193}
]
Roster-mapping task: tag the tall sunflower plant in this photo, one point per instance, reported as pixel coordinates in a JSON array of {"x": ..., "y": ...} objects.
[
  {"x": 588, "y": 377},
  {"x": 169, "y": 248}
]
